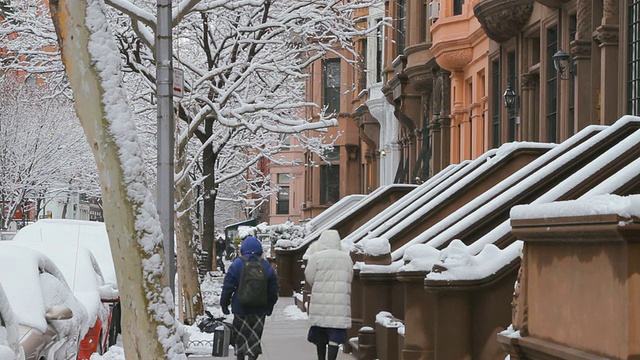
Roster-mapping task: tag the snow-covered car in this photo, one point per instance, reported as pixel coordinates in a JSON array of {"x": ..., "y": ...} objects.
[
  {"x": 50, "y": 318},
  {"x": 10, "y": 348},
  {"x": 74, "y": 235},
  {"x": 90, "y": 234},
  {"x": 83, "y": 274}
]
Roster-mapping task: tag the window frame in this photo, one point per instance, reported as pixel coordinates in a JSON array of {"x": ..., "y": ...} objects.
[{"x": 331, "y": 94}]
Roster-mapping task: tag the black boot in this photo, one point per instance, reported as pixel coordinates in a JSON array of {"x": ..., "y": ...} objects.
[
  {"x": 322, "y": 351},
  {"x": 333, "y": 352},
  {"x": 239, "y": 357}
]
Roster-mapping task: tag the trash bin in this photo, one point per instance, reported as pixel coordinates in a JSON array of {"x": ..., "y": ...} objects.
[{"x": 221, "y": 336}]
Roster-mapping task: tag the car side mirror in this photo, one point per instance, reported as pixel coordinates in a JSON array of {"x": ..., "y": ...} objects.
[{"x": 58, "y": 313}]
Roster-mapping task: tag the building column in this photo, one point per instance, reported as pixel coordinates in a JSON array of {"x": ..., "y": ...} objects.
[
  {"x": 457, "y": 115},
  {"x": 436, "y": 144},
  {"x": 607, "y": 36},
  {"x": 529, "y": 107},
  {"x": 584, "y": 109}
]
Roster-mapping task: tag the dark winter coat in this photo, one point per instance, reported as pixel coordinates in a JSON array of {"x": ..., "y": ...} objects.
[{"x": 250, "y": 248}]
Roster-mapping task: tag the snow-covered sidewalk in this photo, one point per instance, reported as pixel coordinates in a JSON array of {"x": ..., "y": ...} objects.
[{"x": 285, "y": 336}]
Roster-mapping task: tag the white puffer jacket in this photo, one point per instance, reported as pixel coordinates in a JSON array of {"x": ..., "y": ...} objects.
[{"x": 329, "y": 272}]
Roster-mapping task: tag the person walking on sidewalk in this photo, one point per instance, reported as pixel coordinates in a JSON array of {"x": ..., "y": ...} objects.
[
  {"x": 248, "y": 321},
  {"x": 329, "y": 272},
  {"x": 220, "y": 248}
]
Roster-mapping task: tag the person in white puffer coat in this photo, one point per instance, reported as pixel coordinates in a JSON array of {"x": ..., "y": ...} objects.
[{"x": 329, "y": 272}]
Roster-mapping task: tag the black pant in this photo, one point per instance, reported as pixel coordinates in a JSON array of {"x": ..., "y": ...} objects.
[{"x": 322, "y": 351}]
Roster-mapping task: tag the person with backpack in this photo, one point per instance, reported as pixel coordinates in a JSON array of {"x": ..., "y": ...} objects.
[
  {"x": 329, "y": 272},
  {"x": 251, "y": 288}
]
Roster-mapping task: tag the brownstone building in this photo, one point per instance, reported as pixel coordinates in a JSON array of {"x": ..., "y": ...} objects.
[{"x": 461, "y": 78}]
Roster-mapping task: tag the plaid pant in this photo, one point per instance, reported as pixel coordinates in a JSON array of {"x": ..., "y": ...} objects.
[{"x": 248, "y": 331}]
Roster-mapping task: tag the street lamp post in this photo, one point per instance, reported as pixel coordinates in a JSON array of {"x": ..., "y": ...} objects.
[{"x": 164, "y": 89}]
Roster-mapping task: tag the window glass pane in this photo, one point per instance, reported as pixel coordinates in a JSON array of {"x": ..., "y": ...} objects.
[
  {"x": 457, "y": 7},
  {"x": 332, "y": 155},
  {"x": 511, "y": 59},
  {"x": 329, "y": 184},
  {"x": 282, "y": 206},
  {"x": 552, "y": 85},
  {"x": 401, "y": 26},
  {"x": 379, "y": 51},
  {"x": 331, "y": 81},
  {"x": 633, "y": 58},
  {"x": 283, "y": 178},
  {"x": 497, "y": 102}
]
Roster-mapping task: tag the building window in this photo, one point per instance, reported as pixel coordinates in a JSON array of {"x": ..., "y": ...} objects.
[
  {"x": 282, "y": 205},
  {"x": 511, "y": 80},
  {"x": 331, "y": 82},
  {"x": 496, "y": 105},
  {"x": 401, "y": 26},
  {"x": 286, "y": 140},
  {"x": 633, "y": 58},
  {"x": 457, "y": 7},
  {"x": 379, "y": 42},
  {"x": 329, "y": 184},
  {"x": 552, "y": 86},
  {"x": 284, "y": 178}
]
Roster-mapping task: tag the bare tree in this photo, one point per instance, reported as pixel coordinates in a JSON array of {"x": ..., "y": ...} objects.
[
  {"x": 245, "y": 64},
  {"x": 43, "y": 154}
]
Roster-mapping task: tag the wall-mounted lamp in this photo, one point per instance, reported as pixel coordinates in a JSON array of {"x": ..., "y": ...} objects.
[
  {"x": 510, "y": 98},
  {"x": 562, "y": 61},
  {"x": 383, "y": 152}
]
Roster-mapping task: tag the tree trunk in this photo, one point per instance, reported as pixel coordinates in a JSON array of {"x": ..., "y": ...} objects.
[
  {"x": 91, "y": 60},
  {"x": 209, "y": 207},
  {"x": 190, "y": 296}
]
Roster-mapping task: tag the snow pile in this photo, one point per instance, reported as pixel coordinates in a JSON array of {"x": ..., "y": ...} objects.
[
  {"x": 292, "y": 312},
  {"x": 33, "y": 284},
  {"x": 420, "y": 257},
  {"x": 377, "y": 246},
  {"x": 510, "y": 332},
  {"x": 457, "y": 262},
  {"x": 82, "y": 273},
  {"x": 378, "y": 269},
  {"x": 624, "y": 206},
  {"x": 244, "y": 231},
  {"x": 387, "y": 320}
]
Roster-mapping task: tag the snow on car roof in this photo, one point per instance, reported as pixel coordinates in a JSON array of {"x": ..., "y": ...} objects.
[
  {"x": 90, "y": 234},
  {"x": 19, "y": 275}
]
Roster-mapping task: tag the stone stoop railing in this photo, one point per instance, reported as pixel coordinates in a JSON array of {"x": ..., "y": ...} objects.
[
  {"x": 290, "y": 261},
  {"x": 388, "y": 332},
  {"x": 579, "y": 287}
]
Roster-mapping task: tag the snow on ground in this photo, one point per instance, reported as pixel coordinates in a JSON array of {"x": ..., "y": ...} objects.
[{"x": 292, "y": 312}]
